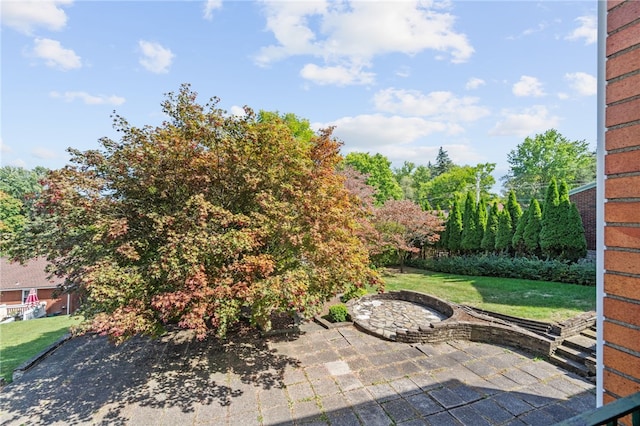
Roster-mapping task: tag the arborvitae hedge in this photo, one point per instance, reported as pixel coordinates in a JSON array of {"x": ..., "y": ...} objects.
[
  {"x": 576, "y": 243},
  {"x": 454, "y": 229},
  {"x": 470, "y": 240},
  {"x": 553, "y": 222},
  {"x": 515, "y": 211},
  {"x": 517, "y": 242},
  {"x": 531, "y": 234},
  {"x": 489, "y": 238},
  {"x": 504, "y": 234}
]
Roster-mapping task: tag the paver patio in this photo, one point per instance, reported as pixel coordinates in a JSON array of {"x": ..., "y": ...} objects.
[{"x": 320, "y": 377}]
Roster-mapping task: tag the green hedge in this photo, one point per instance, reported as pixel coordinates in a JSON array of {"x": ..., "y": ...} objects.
[{"x": 511, "y": 267}]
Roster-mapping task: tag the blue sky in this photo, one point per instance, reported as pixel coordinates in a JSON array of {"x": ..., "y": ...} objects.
[{"x": 398, "y": 77}]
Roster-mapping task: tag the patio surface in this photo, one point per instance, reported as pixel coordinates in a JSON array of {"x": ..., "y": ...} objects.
[{"x": 338, "y": 377}]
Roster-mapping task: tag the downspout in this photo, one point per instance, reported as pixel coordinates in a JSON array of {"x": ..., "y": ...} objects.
[
  {"x": 68, "y": 303},
  {"x": 600, "y": 199}
]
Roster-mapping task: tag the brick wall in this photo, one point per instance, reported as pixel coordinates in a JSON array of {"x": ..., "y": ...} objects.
[
  {"x": 585, "y": 200},
  {"x": 621, "y": 303}
]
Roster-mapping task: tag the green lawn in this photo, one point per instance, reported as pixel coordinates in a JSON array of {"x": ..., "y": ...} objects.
[
  {"x": 538, "y": 300},
  {"x": 22, "y": 340}
]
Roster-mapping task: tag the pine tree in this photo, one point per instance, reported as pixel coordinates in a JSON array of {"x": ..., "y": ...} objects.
[
  {"x": 454, "y": 229},
  {"x": 503, "y": 236},
  {"x": 531, "y": 235},
  {"x": 517, "y": 242},
  {"x": 489, "y": 238},
  {"x": 443, "y": 163}
]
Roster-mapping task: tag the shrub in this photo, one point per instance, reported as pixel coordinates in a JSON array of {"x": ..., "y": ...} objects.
[
  {"x": 512, "y": 267},
  {"x": 353, "y": 292},
  {"x": 338, "y": 313}
]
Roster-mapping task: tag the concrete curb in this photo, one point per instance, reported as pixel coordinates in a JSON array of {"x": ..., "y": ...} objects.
[{"x": 19, "y": 372}]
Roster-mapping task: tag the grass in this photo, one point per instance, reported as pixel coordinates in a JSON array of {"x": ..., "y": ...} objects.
[
  {"x": 22, "y": 340},
  {"x": 537, "y": 300}
]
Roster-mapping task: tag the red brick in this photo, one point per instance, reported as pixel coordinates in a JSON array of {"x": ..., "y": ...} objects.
[
  {"x": 621, "y": 361},
  {"x": 623, "y": 39},
  {"x": 619, "y": 385},
  {"x": 623, "y": 137},
  {"x": 621, "y": 336},
  {"x": 613, "y": 3},
  {"x": 622, "y": 113},
  {"x": 622, "y": 236},
  {"x": 622, "y": 212},
  {"x": 623, "y": 64},
  {"x": 623, "y": 311},
  {"x": 628, "y": 12},
  {"x": 622, "y": 187},
  {"x": 625, "y": 88},
  {"x": 624, "y": 286},
  {"x": 622, "y": 162}
]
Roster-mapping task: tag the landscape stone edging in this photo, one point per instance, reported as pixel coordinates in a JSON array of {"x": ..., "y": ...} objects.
[{"x": 22, "y": 368}]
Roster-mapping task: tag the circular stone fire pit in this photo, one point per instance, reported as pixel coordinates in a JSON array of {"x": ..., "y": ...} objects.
[{"x": 386, "y": 315}]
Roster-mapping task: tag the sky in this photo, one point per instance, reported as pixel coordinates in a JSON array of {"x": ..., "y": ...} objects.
[{"x": 401, "y": 78}]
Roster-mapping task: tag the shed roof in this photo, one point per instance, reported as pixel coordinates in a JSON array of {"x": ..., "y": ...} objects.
[
  {"x": 582, "y": 188},
  {"x": 14, "y": 276}
]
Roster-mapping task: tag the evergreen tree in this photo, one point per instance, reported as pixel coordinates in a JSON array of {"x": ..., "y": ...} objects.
[
  {"x": 470, "y": 241},
  {"x": 575, "y": 240},
  {"x": 454, "y": 229},
  {"x": 531, "y": 235},
  {"x": 503, "y": 236},
  {"x": 552, "y": 223},
  {"x": 489, "y": 239},
  {"x": 427, "y": 206},
  {"x": 517, "y": 242},
  {"x": 443, "y": 163},
  {"x": 514, "y": 210}
]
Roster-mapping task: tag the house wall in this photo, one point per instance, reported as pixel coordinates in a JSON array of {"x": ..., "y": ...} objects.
[
  {"x": 54, "y": 305},
  {"x": 586, "y": 204},
  {"x": 621, "y": 299}
]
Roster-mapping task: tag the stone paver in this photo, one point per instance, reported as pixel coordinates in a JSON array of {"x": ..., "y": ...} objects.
[{"x": 320, "y": 377}]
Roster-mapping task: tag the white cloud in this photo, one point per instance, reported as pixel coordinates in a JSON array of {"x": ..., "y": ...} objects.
[
  {"x": 54, "y": 55},
  {"x": 25, "y": 16},
  {"x": 440, "y": 105},
  {"x": 18, "y": 162},
  {"x": 584, "y": 84},
  {"x": 474, "y": 83},
  {"x": 4, "y": 148},
  {"x": 524, "y": 123},
  {"x": 528, "y": 86},
  {"x": 338, "y": 75},
  {"x": 88, "y": 99},
  {"x": 43, "y": 153},
  {"x": 351, "y": 33},
  {"x": 237, "y": 111},
  {"x": 209, "y": 7},
  {"x": 370, "y": 131},
  {"x": 563, "y": 96},
  {"x": 587, "y": 30},
  {"x": 155, "y": 57},
  {"x": 459, "y": 153}
]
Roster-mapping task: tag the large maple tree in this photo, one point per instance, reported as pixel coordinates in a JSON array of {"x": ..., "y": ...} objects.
[{"x": 194, "y": 220}]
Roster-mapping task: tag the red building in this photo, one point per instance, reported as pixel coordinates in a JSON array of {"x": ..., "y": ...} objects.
[{"x": 16, "y": 281}]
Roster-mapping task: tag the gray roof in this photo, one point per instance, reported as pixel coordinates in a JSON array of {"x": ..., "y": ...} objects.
[{"x": 14, "y": 276}]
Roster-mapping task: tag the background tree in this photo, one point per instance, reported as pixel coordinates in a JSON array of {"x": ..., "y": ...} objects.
[
  {"x": 378, "y": 169},
  {"x": 405, "y": 228},
  {"x": 12, "y": 217},
  {"x": 300, "y": 127},
  {"x": 536, "y": 160},
  {"x": 488, "y": 243},
  {"x": 504, "y": 234},
  {"x": 459, "y": 180},
  {"x": 20, "y": 183},
  {"x": 531, "y": 235},
  {"x": 192, "y": 221},
  {"x": 443, "y": 163}
]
